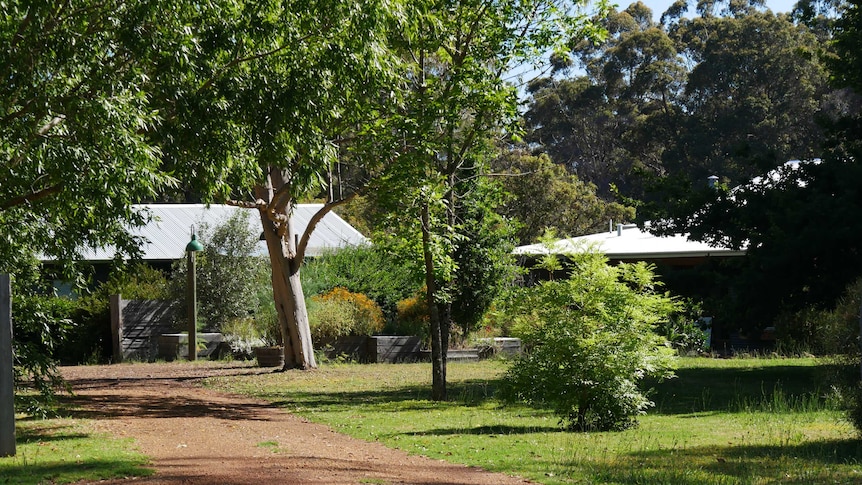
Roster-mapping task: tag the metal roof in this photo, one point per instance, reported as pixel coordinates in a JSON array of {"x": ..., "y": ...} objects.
[
  {"x": 169, "y": 231},
  {"x": 630, "y": 243}
]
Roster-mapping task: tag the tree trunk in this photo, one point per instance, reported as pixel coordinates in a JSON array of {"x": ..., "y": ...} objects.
[
  {"x": 438, "y": 353},
  {"x": 285, "y": 259},
  {"x": 292, "y": 314}
]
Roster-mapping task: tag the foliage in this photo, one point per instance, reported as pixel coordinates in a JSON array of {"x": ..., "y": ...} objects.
[
  {"x": 545, "y": 196},
  {"x": 340, "y": 313},
  {"x": 483, "y": 258},
  {"x": 591, "y": 341},
  {"x": 229, "y": 273},
  {"x": 732, "y": 91},
  {"x": 823, "y": 332},
  {"x": 374, "y": 271},
  {"x": 73, "y": 140},
  {"x": 684, "y": 329},
  {"x": 41, "y": 324},
  {"x": 413, "y": 316},
  {"x": 454, "y": 100}
]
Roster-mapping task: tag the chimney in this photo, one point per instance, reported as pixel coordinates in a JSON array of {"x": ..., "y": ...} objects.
[{"x": 619, "y": 229}]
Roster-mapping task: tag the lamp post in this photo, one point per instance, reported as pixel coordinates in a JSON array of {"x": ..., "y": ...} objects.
[{"x": 191, "y": 298}]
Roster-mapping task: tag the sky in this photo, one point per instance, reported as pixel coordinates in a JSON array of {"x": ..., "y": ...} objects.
[{"x": 659, "y": 6}]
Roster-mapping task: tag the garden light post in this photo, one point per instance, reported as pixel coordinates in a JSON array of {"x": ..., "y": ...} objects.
[{"x": 191, "y": 297}]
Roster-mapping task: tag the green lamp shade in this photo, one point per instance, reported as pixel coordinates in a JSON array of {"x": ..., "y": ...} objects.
[{"x": 194, "y": 245}]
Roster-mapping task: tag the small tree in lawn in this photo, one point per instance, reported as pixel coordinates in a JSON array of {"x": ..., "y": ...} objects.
[{"x": 590, "y": 343}]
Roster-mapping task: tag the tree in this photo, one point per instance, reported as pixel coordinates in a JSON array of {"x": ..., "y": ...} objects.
[
  {"x": 228, "y": 272},
  {"x": 733, "y": 92},
  {"x": 590, "y": 341},
  {"x": 545, "y": 196},
  {"x": 455, "y": 98},
  {"x": 797, "y": 221},
  {"x": 272, "y": 88},
  {"x": 73, "y": 136}
]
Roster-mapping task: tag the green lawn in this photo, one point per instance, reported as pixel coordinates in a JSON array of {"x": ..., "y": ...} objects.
[
  {"x": 65, "y": 451},
  {"x": 721, "y": 421}
]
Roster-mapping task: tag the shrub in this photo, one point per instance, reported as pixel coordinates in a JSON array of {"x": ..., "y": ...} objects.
[
  {"x": 685, "y": 329},
  {"x": 229, "y": 275},
  {"x": 590, "y": 340},
  {"x": 369, "y": 270},
  {"x": 340, "y": 313},
  {"x": 413, "y": 317}
]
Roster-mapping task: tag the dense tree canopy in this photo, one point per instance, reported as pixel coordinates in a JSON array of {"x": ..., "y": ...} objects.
[{"x": 732, "y": 92}]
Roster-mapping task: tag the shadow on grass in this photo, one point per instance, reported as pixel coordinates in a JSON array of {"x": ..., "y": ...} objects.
[
  {"x": 826, "y": 461},
  {"x": 470, "y": 393},
  {"x": 46, "y": 434},
  {"x": 63, "y": 472},
  {"x": 492, "y": 430},
  {"x": 714, "y": 389}
]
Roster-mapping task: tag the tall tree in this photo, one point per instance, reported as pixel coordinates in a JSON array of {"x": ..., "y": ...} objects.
[
  {"x": 798, "y": 221},
  {"x": 733, "y": 91},
  {"x": 273, "y": 89},
  {"x": 545, "y": 196},
  {"x": 455, "y": 99}
]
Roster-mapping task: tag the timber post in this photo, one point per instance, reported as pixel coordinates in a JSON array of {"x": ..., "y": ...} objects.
[{"x": 7, "y": 373}]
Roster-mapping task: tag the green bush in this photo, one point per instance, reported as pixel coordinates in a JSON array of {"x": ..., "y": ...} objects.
[
  {"x": 229, "y": 275},
  {"x": 369, "y": 270},
  {"x": 684, "y": 329},
  {"x": 42, "y": 326},
  {"x": 590, "y": 341}
]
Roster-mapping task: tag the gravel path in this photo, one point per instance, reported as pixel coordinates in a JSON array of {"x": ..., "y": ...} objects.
[{"x": 195, "y": 435}]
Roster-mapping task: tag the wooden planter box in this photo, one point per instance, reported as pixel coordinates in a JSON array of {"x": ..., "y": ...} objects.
[
  {"x": 173, "y": 346},
  {"x": 269, "y": 356}
]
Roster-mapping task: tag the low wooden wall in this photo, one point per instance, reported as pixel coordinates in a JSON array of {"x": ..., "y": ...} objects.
[{"x": 377, "y": 349}]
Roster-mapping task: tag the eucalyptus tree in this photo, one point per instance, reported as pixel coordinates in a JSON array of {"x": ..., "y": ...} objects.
[
  {"x": 275, "y": 93},
  {"x": 753, "y": 95},
  {"x": 612, "y": 120},
  {"x": 455, "y": 99},
  {"x": 546, "y": 197}
]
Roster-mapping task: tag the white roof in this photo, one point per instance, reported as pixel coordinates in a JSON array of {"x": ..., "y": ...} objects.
[
  {"x": 629, "y": 242},
  {"x": 169, "y": 230}
]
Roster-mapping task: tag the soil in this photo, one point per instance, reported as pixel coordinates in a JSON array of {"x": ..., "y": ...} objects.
[{"x": 195, "y": 435}]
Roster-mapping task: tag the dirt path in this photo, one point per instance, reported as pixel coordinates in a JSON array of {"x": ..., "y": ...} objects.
[{"x": 199, "y": 436}]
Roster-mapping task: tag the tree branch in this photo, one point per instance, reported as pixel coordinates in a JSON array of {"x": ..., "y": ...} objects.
[
  {"x": 315, "y": 219},
  {"x": 32, "y": 197}
]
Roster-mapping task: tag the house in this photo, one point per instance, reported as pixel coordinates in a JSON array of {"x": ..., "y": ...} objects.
[
  {"x": 167, "y": 234},
  {"x": 628, "y": 244}
]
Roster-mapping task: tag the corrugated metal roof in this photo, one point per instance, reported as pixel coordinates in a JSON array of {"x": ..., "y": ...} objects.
[
  {"x": 170, "y": 230},
  {"x": 629, "y": 242}
]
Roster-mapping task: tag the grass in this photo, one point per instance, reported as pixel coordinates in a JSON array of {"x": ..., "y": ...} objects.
[
  {"x": 65, "y": 451},
  {"x": 732, "y": 421}
]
